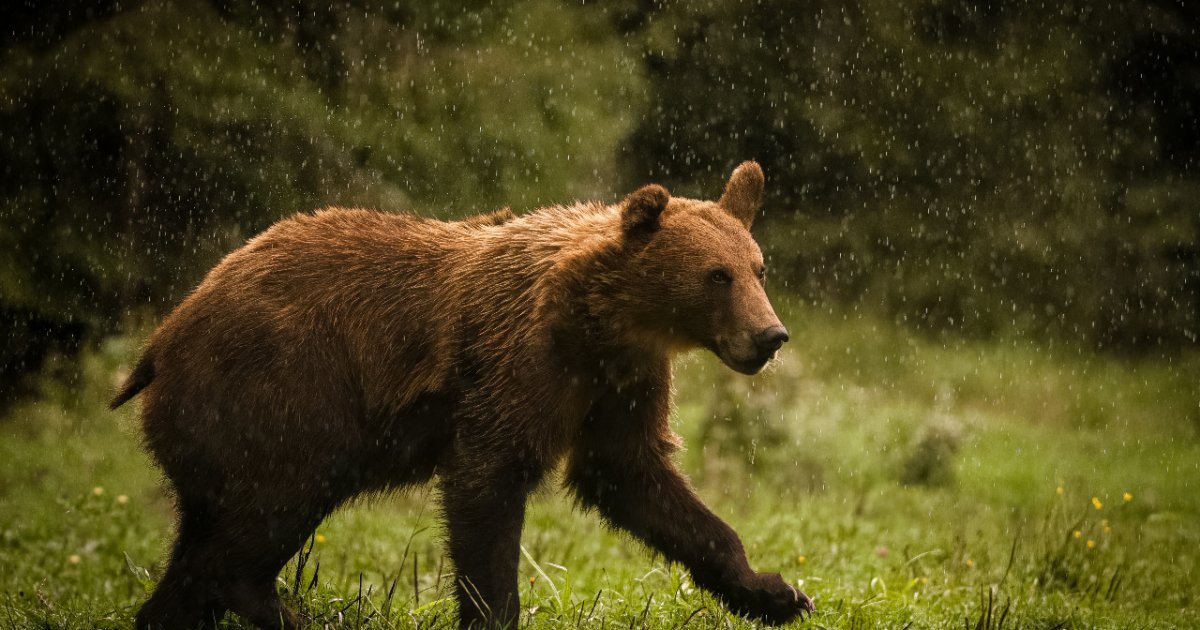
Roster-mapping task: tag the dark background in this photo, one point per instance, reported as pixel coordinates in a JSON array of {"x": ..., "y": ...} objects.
[{"x": 975, "y": 169}]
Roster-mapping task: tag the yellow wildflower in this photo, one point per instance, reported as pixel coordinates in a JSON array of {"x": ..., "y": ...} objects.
[
  {"x": 970, "y": 563},
  {"x": 1096, "y": 503},
  {"x": 320, "y": 538},
  {"x": 1128, "y": 497},
  {"x": 801, "y": 559},
  {"x": 1077, "y": 533},
  {"x": 1059, "y": 490},
  {"x": 97, "y": 491},
  {"x": 74, "y": 558},
  {"x": 122, "y": 499},
  {"x": 1091, "y": 543}
]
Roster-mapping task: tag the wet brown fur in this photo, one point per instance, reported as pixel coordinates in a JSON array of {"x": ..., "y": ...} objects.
[{"x": 351, "y": 351}]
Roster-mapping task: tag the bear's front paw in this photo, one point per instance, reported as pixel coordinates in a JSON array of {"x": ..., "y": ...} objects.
[{"x": 767, "y": 598}]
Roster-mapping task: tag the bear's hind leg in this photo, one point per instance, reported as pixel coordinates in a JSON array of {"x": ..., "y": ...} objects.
[
  {"x": 257, "y": 601},
  {"x": 252, "y": 543},
  {"x": 184, "y": 598}
]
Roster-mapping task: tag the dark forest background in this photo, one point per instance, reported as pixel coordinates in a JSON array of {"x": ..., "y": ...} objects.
[{"x": 965, "y": 168}]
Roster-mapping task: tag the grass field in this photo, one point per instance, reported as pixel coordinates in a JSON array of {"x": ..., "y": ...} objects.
[{"x": 899, "y": 481}]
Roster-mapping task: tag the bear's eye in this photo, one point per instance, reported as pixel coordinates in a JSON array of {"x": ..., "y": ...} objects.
[
  {"x": 719, "y": 276},
  {"x": 762, "y": 274}
]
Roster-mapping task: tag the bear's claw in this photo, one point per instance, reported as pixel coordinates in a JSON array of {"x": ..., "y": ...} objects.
[{"x": 769, "y": 599}]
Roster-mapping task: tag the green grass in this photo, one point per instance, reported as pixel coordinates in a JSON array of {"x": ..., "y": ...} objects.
[{"x": 807, "y": 462}]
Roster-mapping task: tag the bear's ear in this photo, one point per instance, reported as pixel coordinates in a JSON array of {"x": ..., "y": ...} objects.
[
  {"x": 743, "y": 194},
  {"x": 640, "y": 210}
]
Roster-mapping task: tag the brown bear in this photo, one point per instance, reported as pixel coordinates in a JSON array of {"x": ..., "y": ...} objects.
[{"x": 349, "y": 352}]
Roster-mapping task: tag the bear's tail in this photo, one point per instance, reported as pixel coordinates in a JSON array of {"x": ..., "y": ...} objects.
[{"x": 137, "y": 381}]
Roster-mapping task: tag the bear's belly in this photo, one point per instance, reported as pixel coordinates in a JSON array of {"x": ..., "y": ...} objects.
[{"x": 405, "y": 446}]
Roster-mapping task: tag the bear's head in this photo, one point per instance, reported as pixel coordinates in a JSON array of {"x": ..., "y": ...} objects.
[{"x": 696, "y": 277}]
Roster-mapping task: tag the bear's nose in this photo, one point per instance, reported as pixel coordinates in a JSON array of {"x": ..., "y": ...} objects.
[{"x": 771, "y": 339}]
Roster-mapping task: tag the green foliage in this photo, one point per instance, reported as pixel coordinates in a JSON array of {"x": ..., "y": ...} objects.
[{"x": 931, "y": 457}]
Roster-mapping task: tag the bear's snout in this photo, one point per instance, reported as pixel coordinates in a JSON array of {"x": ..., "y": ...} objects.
[
  {"x": 748, "y": 352},
  {"x": 770, "y": 339}
]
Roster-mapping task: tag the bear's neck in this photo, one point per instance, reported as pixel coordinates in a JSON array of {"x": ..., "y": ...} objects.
[
  {"x": 577, "y": 255},
  {"x": 630, "y": 350}
]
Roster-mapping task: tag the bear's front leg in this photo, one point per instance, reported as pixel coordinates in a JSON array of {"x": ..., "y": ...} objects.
[
  {"x": 622, "y": 465},
  {"x": 485, "y": 511}
]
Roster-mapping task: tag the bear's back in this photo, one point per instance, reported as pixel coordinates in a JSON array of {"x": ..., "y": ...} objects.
[{"x": 345, "y": 291}]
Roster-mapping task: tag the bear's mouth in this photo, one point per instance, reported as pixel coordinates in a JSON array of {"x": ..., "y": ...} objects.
[
  {"x": 750, "y": 366},
  {"x": 740, "y": 357}
]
